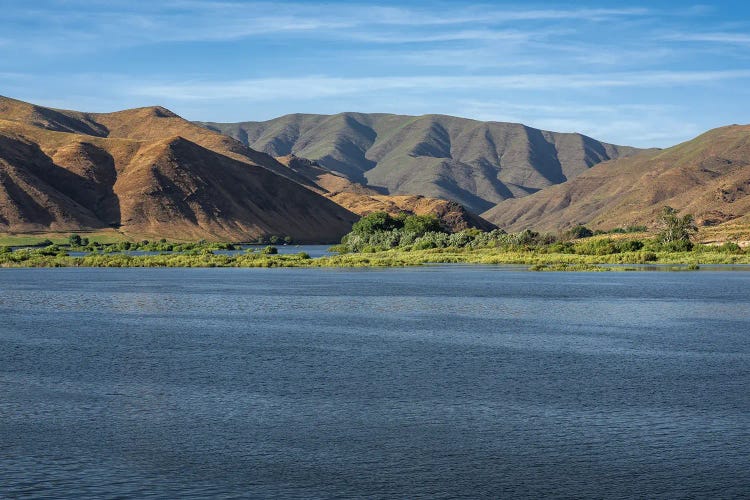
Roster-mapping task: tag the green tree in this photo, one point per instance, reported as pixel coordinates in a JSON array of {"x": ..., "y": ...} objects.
[
  {"x": 374, "y": 222},
  {"x": 273, "y": 239},
  {"x": 675, "y": 229},
  {"x": 288, "y": 240},
  {"x": 75, "y": 240},
  {"x": 421, "y": 224},
  {"x": 580, "y": 231}
]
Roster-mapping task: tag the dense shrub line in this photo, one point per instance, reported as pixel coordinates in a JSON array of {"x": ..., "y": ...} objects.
[{"x": 380, "y": 232}]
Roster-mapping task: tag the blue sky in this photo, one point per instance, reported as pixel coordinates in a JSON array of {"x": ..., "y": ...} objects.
[{"x": 648, "y": 74}]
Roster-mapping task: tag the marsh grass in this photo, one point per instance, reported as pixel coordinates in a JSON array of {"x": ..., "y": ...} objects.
[
  {"x": 393, "y": 247},
  {"x": 534, "y": 259}
]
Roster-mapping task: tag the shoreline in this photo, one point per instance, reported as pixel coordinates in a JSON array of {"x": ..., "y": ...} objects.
[{"x": 535, "y": 260}]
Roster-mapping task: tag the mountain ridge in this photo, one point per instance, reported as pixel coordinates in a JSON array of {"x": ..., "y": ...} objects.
[
  {"x": 475, "y": 163},
  {"x": 148, "y": 171},
  {"x": 708, "y": 176}
]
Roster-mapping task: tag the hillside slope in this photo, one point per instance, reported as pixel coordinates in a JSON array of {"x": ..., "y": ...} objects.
[
  {"x": 149, "y": 172},
  {"x": 477, "y": 164},
  {"x": 708, "y": 176},
  {"x": 363, "y": 200}
]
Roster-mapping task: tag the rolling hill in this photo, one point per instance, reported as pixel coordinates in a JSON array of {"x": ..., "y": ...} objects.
[
  {"x": 476, "y": 164},
  {"x": 149, "y": 172},
  {"x": 363, "y": 200},
  {"x": 708, "y": 177}
]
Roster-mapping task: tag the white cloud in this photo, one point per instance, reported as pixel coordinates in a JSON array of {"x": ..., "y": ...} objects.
[
  {"x": 719, "y": 37},
  {"x": 261, "y": 89},
  {"x": 643, "y": 125},
  {"x": 120, "y": 23},
  {"x": 448, "y": 36}
]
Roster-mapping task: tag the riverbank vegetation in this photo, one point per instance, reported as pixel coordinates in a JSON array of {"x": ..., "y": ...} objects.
[{"x": 382, "y": 240}]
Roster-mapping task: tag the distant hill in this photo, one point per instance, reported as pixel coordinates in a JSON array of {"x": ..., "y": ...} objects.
[
  {"x": 708, "y": 177},
  {"x": 363, "y": 200},
  {"x": 149, "y": 172},
  {"x": 476, "y": 164}
]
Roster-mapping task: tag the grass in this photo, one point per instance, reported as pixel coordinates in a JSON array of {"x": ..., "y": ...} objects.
[
  {"x": 535, "y": 260},
  {"x": 535, "y": 251},
  {"x": 32, "y": 239}
]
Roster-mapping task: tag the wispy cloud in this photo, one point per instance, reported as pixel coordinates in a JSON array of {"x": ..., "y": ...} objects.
[
  {"x": 128, "y": 23},
  {"x": 615, "y": 122},
  {"x": 447, "y": 36},
  {"x": 717, "y": 37},
  {"x": 549, "y": 64},
  {"x": 261, "y": 89}
]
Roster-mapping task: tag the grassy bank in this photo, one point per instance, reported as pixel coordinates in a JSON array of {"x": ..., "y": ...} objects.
[
  {"x": 32, "y": 239},
  {"x": 534, "y": 259},
  {"x": 379, "y": 240}
]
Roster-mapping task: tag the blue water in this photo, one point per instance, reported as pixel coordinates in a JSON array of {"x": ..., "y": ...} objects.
[
  {"x": 314, "y": 251},
  {"x": 436, "y": 382}
]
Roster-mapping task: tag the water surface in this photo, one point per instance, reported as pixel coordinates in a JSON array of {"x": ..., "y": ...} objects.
[{"x": 443, "y": 381}]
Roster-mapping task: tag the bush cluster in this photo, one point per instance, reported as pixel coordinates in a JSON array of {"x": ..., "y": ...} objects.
[{"x": 379, "y": 232}]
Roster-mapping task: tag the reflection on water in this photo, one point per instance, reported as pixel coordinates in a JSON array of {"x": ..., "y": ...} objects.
[
  {"x": 444, "y": 381},
  {"x": 314, "y": 251}
]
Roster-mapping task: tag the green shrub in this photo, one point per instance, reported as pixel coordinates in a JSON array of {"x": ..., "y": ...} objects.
[
  {"x": 270, "y": 250},
  {"x": 423, "y": 244},
  {"x": 341, "y": 248},
  {"x": 560, "y": 247},
  {"x": 603, "y": 246},
  {"x": 730, "y": 247},
  {"x": 374, "y": 222},
  {"x": 580, "y": 231},
  {"x": 677, "y": 246},
  {"x": 421, "y": 224},
  {"x": 647, "y": 257},
  {"x": 629, "y": 245}
]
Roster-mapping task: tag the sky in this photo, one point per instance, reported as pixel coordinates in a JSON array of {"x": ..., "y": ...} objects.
[{"x": 643, "y": 74}]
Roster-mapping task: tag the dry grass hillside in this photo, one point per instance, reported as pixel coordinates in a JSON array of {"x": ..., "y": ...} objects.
[
  {"x": 149, "y": 172},
  {"x": 477, "y": 164},
  {"x": 708, "y": 177},
  {"x": 363, "y": 200}
]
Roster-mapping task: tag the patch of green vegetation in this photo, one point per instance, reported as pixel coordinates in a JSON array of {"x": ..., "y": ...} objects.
[
  {"x": 44, "y": 239},
  {"x": 380, "y": 240}
]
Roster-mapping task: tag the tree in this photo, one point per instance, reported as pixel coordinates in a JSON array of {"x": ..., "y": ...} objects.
[
  {"x": 74, "y": 240},
  {"x": 374, "y": 222},
  {"x": 273, "y": 239},
  {"x": 580, "y": 231},
  {"x": 421, "y": 224},
  {"x": 675, "y": 229}
]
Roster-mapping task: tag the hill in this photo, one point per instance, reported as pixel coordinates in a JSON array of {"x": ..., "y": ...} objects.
[
  {"x": 363, "y": 200},
  {"x": 476, "y": 164},
  {"x": 149, "y": 172},
  {"x": 708, "y": 177}
]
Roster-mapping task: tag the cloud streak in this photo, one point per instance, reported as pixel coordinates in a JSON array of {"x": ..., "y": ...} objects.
[
  {"x": 260, "y": 89},
  {"x": 125, "y": 23},
  {"x": 718, "y": 37}
]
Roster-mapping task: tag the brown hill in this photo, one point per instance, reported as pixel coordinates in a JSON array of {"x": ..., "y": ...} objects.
[
  {"x": 363, "y": 200},
  {"x": 708, "y": 176},
  {"x": 149, "y": 172},
  {"x": 477, "y": 164}
]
